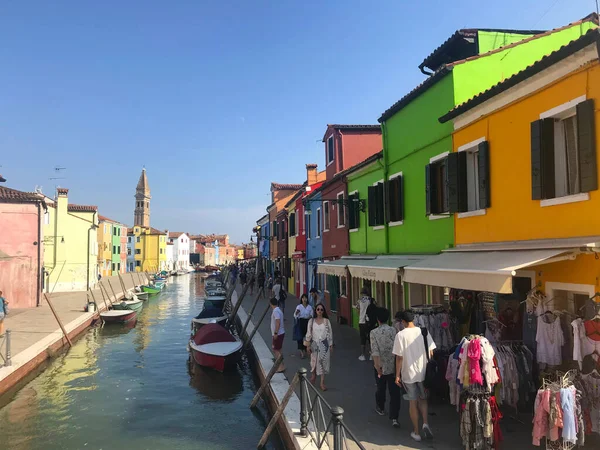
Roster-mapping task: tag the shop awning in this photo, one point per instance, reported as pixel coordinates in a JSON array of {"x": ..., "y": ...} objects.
[
  {"x": 478, "y": 271},
  {"x": 337, "y": 268},
  {"x": 382, "y": 268}
]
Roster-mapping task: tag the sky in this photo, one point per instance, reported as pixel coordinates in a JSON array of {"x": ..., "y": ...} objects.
[{"x": 215, "y": 99}]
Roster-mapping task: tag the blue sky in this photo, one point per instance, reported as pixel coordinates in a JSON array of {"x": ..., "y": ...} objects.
[{"x": 215, "y": 99}]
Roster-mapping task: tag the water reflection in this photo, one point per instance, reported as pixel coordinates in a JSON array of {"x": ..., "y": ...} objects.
[{"x": 213, "y": 385}]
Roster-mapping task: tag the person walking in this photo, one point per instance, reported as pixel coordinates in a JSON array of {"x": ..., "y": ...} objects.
[
  {"x": 363, "y": 320},
  {"x": 3, "y": 312},
  {"x": 319, "y": 344},
  {"x": 398, "y": 322},
  {"x": 261, "y": 282},
  {"x": 302, "y": 315},
  {"x": 279, "y": 294},
  {"x": 314, "y": 297},
  {"x": 382, "y": 342},
  {"x": 411, "y": 364},
  {"x": 278, "y": 331}
]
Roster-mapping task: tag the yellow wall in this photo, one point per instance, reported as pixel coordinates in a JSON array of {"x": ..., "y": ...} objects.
[
  {"x": 153, "y": 250},
  {"x": 513, "y": 215},
  {"x": 105, "y": 248},
  {"x": 585, "y": 269}
]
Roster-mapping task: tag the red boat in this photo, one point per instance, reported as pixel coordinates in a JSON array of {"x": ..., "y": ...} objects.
[
  {"x": 118, "y": 315},
  {"x": 213, "y": 346}
]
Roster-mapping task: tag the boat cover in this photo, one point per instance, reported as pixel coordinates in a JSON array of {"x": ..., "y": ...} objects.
[
  {"x": 210, "y": 312},
  {"x": 211, "y": 333}
]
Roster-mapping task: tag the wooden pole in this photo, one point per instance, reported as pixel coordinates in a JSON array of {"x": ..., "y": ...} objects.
[
  {"x": 249, "y": 341},
  {"x": 58, "y": 320},
  {"x": 278, "y": 413},
  {"x": 238, "y": 304},
  {"x": 107, "y": 294},
  {"x": 113, "y": 291},
  {"x": 132, "y": 279},
  {"x": 251, "y": 312},
  {"x": 122, "y": 283},
  {"x": 265, "y": 383},
  {"x": 94, "y": 298},
  {"x": 103, "y": 297}
]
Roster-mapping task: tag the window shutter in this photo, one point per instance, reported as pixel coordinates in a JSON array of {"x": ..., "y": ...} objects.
[
  {"x": 453, "y": 194},
  {"x": 351, "y": 208},
  {"x": 372, "y": 205},
  {"x": 380, "y": 219},
  {"x": 356, "y": 211},
  {"x": 542, "y": 159},
  {"x": 389, "y": 199},
  {"x": 484, "y": 175},
  {"x": 586, "y": 143},
  {"x": 400, "y": 198},
  {"x": 428, "y": 189}
]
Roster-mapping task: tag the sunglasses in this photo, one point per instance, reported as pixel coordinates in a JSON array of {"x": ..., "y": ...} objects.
[{"x": 320, "y": 309}]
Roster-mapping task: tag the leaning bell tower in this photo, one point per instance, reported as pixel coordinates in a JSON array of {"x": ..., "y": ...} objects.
[{"x": 141, "y": 215}]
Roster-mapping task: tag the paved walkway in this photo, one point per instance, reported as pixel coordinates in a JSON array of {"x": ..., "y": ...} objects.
[{"x": 351, "y": 385}]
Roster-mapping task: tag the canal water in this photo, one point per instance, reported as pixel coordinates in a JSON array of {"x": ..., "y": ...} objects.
[{"x": 132, "y": 388}]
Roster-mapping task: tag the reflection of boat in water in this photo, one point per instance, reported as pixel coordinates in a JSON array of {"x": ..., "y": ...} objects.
[
  {"x": 108, "y": 332},
  {"x": 214, "y": 385}
]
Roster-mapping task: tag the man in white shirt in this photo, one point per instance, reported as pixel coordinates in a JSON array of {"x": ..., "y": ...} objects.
[
  {"x": 411, "y": 364},
  {"x": 277, "y": 331}
]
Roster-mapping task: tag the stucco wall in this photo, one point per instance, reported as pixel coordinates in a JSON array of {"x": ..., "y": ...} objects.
[
  {"x": 19, "y": 254},
  {"x": 335, "y": 241},
  {"x": 351, "y": 147}
]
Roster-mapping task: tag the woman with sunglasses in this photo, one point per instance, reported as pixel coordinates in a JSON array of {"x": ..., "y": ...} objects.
[{"x": 319, "y": 344}]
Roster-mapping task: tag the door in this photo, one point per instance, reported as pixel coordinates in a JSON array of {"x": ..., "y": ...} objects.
[{"x": 333, "y": 285}]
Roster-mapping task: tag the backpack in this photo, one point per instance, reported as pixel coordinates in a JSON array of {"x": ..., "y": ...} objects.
[
  {"x": 282, "y": 294},
  {"x": 432, "y": 368}
]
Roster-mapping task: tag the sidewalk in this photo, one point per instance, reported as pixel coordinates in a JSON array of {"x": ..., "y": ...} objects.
[
  {"x": 35, "y": 331},
  {"x": 351, "y": 385}
]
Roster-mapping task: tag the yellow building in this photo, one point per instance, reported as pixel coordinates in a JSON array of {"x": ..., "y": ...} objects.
[
  {"x": 240, "y": 253},
  {"x": 150, "y": 249},
  {"x": 70, "y": 245},
  {"x": 528, "y": 180},
  {"x": 104, "y": 246}
]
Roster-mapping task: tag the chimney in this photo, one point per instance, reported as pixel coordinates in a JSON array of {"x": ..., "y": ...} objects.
[{"x": 311, "y": 174}]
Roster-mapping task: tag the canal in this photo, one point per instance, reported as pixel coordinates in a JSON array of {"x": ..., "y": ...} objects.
[{"x": 133, "y": 388}]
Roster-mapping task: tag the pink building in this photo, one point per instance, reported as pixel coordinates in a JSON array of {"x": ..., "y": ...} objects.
[
  {"x": 21, "y": 251},
  {"x": 123, "y": 249}
]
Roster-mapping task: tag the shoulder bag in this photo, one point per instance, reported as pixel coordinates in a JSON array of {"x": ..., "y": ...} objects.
[{"x": 431, "y": 369}]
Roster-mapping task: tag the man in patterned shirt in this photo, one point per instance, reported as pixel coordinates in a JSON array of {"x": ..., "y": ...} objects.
[{"x": 384, "y": 361}]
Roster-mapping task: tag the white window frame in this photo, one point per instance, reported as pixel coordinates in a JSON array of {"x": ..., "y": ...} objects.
[
  {"x": 381, "y": 227},
  {"x": 329, "y": 211},
  {"x": 319, "y": 225},
  {"x": 340, "y": 209},
  {"x": 552, "y": 286},
  {"x": 329, "y": 162},
  {"x": 432, "y": 160},
  {"x": 463, "y": 148},
  {"x": 353, "y": 230},
  {"x": 398, "y": 222}
]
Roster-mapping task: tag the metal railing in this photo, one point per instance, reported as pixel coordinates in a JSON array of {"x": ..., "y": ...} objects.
[{"x": 5, "y": 356}]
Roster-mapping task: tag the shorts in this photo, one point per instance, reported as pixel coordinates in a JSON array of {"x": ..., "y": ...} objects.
[
  {"x": 364, "y": 329},
  {"x": 415, "y": 391},
  {"x": 278, "y": 341},
  {"x": 2, "y": 316}
]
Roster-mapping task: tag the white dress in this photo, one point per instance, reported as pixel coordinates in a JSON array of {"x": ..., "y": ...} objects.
[
  {"x": 320, "y": 339},
  {"x": 550, "y": 340}
]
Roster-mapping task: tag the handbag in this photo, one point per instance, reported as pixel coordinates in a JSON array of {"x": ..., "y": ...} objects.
[{"x": 431, "y": 369}]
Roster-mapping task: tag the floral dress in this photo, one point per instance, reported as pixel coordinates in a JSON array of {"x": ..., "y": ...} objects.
[{"x": 320, "y": 339}]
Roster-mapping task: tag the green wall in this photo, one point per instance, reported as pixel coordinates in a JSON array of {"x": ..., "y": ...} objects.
[
  {"x": 366, "y": 240},
  {"x": 115, "y": 242},
  {"x": 479, "y": 74},
  {"x": 491, "y": 40}
]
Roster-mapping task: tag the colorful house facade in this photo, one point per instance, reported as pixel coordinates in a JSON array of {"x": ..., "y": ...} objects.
[
  {"x": 150, "y": 249},
  {"x": 280, "y": 195},
  {"x": 22, "y": 215}
]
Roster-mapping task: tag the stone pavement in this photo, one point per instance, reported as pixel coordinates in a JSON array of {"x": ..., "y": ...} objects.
[{"x": 351, "y": 385}]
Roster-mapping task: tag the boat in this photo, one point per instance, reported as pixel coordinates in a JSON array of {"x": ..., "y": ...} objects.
[
  {"x": 159, "y": 284},
  {"x": 141, "y": 296},
  {"x": 208, "y": 315},
  {"x": 213, "y": 346},
  {"x": 151, "y": 289},
  {"x": 216, "y": 291},
  {"x": 215, "y": 301},
  {"x": 182, "y": 272},
  {"x": 118, "y": 315},
  {"x": 133, "y": 305}
]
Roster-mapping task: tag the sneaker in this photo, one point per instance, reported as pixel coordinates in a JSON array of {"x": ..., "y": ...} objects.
[
  {"x": 362, "y": 358},
  {"x": 395, "y": 423},
  {"x": 427, "y": 431},
  {"x": 370, "y": 358},
  {"x": 379, "y": 411},
  {"x": 415, "y": 436}
]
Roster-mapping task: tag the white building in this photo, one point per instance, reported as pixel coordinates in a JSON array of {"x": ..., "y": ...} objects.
[
  {"x": 170, "y": 256},
  {"x": 181, "y": 249},
  {"x": 130, "y": 252}
]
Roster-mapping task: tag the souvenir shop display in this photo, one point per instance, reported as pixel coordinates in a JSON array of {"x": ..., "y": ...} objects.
[
  {"x": 516, "y": 366},
  {"x": 438, "y": 322}
]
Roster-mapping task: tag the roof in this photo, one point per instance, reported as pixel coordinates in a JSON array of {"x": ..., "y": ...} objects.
[
  {"x": 176, "y": 234},
  {"x": 566, "y": 50},
  {"x": 102, "y": 218},
  {"x": 82, "y": 208},
  {"x": 8, "y": 195},
  {"x": 444, "y": 70},
  {"x": 284, "y": 187},
  {"x": 461, "y": 44},
  {"x": 340, "y": 175},
  {"x": 156, "y": 231},
  {"x": 143, "y": 181},
  {"x": 336, "y": 126},
  {"x": 297, "y": 194}
]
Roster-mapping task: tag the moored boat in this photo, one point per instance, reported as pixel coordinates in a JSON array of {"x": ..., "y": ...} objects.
[
  {"x": 151, "y": 289},
  {"x": 215, "y": 301},
  {"x": 213, "y": 346},
  {"x": 206, "y": 316},
  {"x": 118, "y": 316},
  {"x": 133, "y": 305}
]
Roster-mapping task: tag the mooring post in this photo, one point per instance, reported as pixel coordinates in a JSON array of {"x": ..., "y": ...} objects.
[
  {"x": 237, "y": 305},
  {"x": 265, "y": 383},
  {"x": 8, "y": 361},
  {"x": 249, "y": 341},
  {"x": 338, "y": 432},
  {"x": 303, "y": 401},
  {"x": 112, "y": 290}
]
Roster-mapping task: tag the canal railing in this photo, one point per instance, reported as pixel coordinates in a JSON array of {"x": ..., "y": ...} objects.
[
  {"x": 319, "y": 421},
  {"x": 5, "y": 356}
]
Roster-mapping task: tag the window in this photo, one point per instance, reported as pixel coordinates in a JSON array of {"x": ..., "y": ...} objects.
[
  {"x": 114, "y": 249},
  {"x": 293, "y": 227},
  {"x": 114, "y": 231},
  {"x": 128, "y": 251},
  {"x": 563, "y": 151},
  {"x": 46, "y": 218},
  {"x": 119, "y": 249},
  {"x": 129, "y": 240},
  {"x": 161, "y": 251},
  {"x": 436, "y": 186},
  {"x": 118, "y": 267},
  {"x": 138, "y": 251},
  {"x": 113, "y": 267},
  {"x": 308, "y": 216},
  {"x": 343, "y": 286},
  {"x": 468, "y": 177},
  {"x": 326, "y": 218},
  {"x": 330, "y": 150},
  {"x": 395, "y": 203},
  {"x": 353, "y": 211},
  {"x": 137, "y": 239},
  {"x": 105, "y": 229},
  {"x": 318, "y": 233},
  {"x": 138, "y": 263},
  {"x": 341, "y": 214},
  {"x": 275, "y": 230},
  {"x": 376, "y": 205}
]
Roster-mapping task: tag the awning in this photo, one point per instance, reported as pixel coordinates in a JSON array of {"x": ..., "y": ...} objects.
[
  {"x": 337, "y": 268},
  {"x": 478, "y": 271},
  {"x": 382, "y": 268}
]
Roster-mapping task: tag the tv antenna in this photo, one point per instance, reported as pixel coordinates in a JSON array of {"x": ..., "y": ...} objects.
[{"x": 58, "y": 170}]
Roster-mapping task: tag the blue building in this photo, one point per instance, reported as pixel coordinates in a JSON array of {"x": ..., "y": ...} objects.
[
  {"x": 314, "y": 241},
  {"x": 264, "y": 243}
]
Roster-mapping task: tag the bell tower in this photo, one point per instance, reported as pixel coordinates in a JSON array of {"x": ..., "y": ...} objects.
[{"x": 141, "y": 215}]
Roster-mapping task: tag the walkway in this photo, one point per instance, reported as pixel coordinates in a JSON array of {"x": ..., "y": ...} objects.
[{"x": 351, "y": 385}]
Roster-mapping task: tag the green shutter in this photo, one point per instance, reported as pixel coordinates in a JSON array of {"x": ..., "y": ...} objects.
[
  {"x": 484, "y": 175},
  {"x": 351, "y": 208},
  {"x": 428, "y": 189},
  {"x": 400, "y": 197},
  {"x": 389, "y": 201},
  {"x": 372, "y": 205},
  {"x": 542, "y": 159},
  {"x": 380, "y": 219},
  {"x": 586, "y": 143},
  {"x": 452, "y": 182}
]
